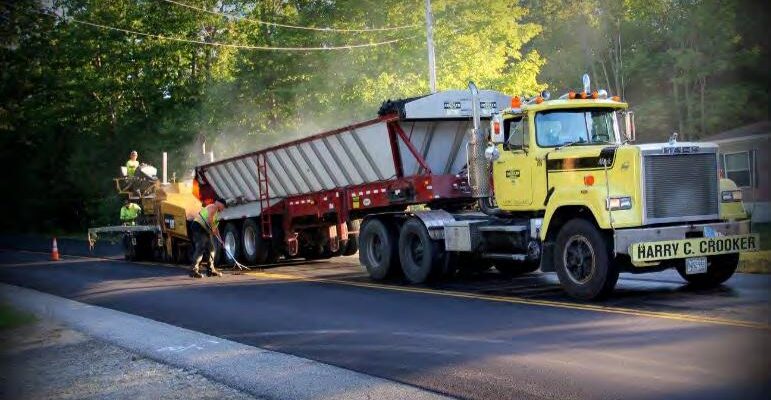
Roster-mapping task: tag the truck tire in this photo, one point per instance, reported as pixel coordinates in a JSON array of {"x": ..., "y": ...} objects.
[
  {"x": 719, "y": 269},
  {"x": 254, "y": 248},
  {"x": 421, "y": 258},
  {"x": 352, "y": 243},
  {"x": 515, "y": 268},
  {"x": 232, "y": 238},
  {"x": 583, "y": 261},
  {"x": 378, "y": 246},
  {"x": 219, "y": 255}
]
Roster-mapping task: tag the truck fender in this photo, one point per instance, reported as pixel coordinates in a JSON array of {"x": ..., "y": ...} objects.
[
  {"x": 435, "y": 221},
  {"x": 589, "y": 199}
]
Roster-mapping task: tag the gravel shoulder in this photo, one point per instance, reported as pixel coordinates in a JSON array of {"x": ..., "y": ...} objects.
[{"x": 43, "y": 360}]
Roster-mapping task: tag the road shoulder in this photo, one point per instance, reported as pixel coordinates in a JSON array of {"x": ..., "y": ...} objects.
[
  {"x": 44, "y": 360},
  {"x": 258, "y": 372}
]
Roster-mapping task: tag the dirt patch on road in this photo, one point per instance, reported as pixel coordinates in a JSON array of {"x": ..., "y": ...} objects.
[{"x": 42, "y": 360}]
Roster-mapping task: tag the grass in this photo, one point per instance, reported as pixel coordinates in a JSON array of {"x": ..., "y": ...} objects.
[
  {"x": 764, "y": 230},
  {"x": 11, "y": 318},
  {"x": 758, "y": 262}
]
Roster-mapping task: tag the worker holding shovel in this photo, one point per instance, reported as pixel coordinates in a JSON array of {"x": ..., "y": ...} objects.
[{"x": 203, "y": 232}]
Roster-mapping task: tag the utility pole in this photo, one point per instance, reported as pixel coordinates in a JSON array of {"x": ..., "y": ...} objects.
[{"x": 430, "y": 45}]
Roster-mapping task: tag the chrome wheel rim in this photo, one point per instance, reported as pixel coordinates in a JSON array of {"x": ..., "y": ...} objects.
[
  {"x": 579, "y": 259},
  {"x": 230, "y": 244},
  {"x": 250, "y": 242}
]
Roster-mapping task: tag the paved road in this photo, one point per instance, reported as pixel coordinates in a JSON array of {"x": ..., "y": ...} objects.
[{"x": 482, "y": 337}]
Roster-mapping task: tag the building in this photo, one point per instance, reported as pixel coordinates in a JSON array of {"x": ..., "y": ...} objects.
[{"x": 744, "y": 159}]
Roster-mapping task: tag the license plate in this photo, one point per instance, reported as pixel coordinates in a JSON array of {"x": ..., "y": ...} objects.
[
  {"x": 695, "y": 265},
  {"x": 692, "y": 248}
]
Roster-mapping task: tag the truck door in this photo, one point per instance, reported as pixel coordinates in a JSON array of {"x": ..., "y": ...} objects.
[{"x": 513, "y": 171}]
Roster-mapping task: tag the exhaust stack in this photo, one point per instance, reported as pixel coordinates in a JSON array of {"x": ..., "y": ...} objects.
[
  {"x": 478, "y": 176},
  {"x": 165, "y": 168},
  {"x": 478, "y": 167}
]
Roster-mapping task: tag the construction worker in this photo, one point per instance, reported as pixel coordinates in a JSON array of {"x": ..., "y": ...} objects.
[
  {"x": 204, "y": 232},
  {"x": 129, "y": 213},
  {"x": 132, "y": 164}
]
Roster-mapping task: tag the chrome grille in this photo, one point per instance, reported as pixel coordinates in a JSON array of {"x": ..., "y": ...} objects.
[{"x": 682, "y": 186}]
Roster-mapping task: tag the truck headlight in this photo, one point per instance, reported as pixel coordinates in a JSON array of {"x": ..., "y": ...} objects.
[
  {"x": 729, "y": 196},
  {"x": 618, "y": 203}
]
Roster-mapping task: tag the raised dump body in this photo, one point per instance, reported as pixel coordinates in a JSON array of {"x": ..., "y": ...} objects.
[{"x": 313, "y": 189}]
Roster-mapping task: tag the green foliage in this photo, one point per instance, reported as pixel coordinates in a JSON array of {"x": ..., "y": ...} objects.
[
  {"x": 76, "y": 98},
  {"x": 692, "y": 66},
  {"x": 12, "y": 318}
]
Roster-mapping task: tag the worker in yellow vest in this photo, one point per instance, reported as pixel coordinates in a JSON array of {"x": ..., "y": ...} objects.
[
  {"x": 204, "y": 232},
  {"x": 132, "y": 164},
  {"x": 129, "y": 213}
]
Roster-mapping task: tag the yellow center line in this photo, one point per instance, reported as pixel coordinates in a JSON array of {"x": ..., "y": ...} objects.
[
  {"x": 521, "y": 300},
  {"x": 465, "y": 295}
]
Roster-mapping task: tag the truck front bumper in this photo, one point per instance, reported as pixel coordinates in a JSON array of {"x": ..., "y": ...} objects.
[{"x": 624, "y": 238}]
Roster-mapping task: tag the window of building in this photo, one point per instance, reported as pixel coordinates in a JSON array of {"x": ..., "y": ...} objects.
[{"x": 739, "y": 167}]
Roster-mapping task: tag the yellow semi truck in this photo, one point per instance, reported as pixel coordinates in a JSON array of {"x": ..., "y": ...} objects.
[
  {"x": 600, "y": 205},
  {"x": 559, "y": 185}
]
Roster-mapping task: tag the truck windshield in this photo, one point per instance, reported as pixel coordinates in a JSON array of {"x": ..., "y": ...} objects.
[{"x": 581, "y": 126}]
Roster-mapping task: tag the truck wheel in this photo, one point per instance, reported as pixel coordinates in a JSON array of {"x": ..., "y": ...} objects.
[
  {"x": 219, "y": 254},
  {"x": 719, "y": 269},
  {"x": 378, "y": 249},
  {"x": 422, "y": 258},
  {"x": 232, "y": 239},
  {"x": 515, "y": 268},
  {"x": 254, "y": 248},
  {"x": 583, "y": 261},
  {"x": 352, "y": 243}
]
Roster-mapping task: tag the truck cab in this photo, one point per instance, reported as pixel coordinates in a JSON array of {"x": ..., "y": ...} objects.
[{"x": 600, "y": 205}]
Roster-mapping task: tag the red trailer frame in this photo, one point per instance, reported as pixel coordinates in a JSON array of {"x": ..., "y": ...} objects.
[{"x": 315, "y": 209}]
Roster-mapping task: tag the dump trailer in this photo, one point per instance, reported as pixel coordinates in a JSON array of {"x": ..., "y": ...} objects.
[{"x": 479, "y": 179}]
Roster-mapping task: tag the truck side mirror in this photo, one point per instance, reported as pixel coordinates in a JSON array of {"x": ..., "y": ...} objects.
[{"x": 629, "y": 128}]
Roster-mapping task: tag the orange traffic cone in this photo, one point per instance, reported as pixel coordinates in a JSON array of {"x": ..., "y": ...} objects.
[{"x": 55, "y": 252}]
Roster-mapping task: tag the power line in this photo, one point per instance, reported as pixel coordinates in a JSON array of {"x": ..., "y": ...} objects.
[
  {"x": 307, "y": 28},
  {"x": 237, "y": 46}
]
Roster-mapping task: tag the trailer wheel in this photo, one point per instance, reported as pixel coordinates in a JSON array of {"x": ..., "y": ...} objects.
[
  {"x": 219, "y": 256},
  {"x": 719, "y": 269},
  {"x": 422, "y": 258},
  {"x": 254, "y": 248},
  {"x": 352, "y": 243},
  {"x": 583, "y": 261},
  {"x": 232, "y": 239},
  {"x": 378, "y": 249}
]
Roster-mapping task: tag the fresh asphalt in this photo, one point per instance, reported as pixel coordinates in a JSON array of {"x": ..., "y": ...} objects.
[{"x": 540, "y": 346}]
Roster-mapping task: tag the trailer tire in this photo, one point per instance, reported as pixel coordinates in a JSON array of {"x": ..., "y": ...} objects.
[
  {"x": 219, "y": 256},
  {"x": 421, "y": 257},
  {"x": 255, "y": 249},
  {"x": 583, "y": 260},
  {"x": 378, "y": 246},
  {"x": 232, "y": 238},
  {"x": 719, "y": 269},
  {"x": 352, "y": 243}
]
